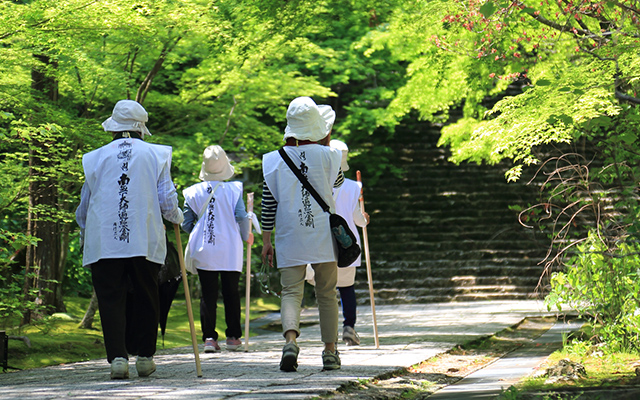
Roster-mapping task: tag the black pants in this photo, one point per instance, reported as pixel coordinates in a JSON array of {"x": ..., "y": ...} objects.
[
  {"x": 209, "y": 303},
  {"x": 127, "y": 291}
]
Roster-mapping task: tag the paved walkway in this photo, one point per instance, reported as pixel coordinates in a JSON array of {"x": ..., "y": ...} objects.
[{"x": 408, "y": 334}]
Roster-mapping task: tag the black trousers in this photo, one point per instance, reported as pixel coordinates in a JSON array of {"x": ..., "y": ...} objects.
[
  {"x": 128, "y": 300},
  {"x": 209, "y": 303}
]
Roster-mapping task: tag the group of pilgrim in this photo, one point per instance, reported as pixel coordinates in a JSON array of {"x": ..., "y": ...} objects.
[{"x": 128, "y": 191}]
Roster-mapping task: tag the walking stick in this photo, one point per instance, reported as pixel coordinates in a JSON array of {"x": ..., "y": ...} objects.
[
  {"x": 365, "y": 242},
  {"x": 187, "y": 296},
  {"x": 247, "y": 295}
]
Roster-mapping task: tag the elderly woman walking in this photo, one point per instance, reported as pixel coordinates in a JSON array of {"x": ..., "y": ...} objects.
[
  {"x": 217, "y": 221},
  {"x": 302, "y": 232},
  {"x": 126, "y": 193}
]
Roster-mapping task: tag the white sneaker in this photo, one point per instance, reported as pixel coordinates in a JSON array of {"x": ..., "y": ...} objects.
[
  {"x": 120, "y": 368},
  {"x": 145, "y": 366}
]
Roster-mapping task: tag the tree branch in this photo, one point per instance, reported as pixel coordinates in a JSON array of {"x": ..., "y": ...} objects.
[{"x": 235, "y": 102}]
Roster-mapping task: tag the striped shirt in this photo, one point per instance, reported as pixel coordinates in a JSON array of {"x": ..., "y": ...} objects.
[{"x": 270, "y": 205}]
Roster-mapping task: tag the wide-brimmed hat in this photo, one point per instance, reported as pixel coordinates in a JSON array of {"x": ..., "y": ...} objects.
[
  {"x": 308, "y": 121},
  {"x": 128, "y": 115},
  {"x": 342, "y": 146},
  {"x": 215, "y": 165}
]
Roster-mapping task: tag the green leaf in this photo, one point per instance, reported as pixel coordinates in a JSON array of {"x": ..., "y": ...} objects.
[
  {"x": 543, "y": 82},
  {"x": 488, "y": 9},
  {"x": 629, "y": 137}
]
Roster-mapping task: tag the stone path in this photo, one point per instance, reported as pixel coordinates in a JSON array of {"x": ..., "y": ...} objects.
[{"x": 408, "y": 334}]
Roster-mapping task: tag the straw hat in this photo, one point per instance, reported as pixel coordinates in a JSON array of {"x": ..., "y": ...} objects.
[
  {"x": 128, "y": 115},
  {"x": 342, "y": 146},
  {"x": 215, "y": 165},
  {"x": 308, "y": 121}
]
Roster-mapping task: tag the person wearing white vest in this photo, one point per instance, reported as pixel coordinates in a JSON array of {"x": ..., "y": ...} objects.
[
  {"x": 348, "y": 207},
  {"x": 303, "y": 234},
  {"x": 217, "y": 223},
  {"x": 126, "y": 193}
]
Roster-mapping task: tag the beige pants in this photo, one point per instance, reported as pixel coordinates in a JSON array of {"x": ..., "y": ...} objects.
[{"x": 292, "y": 280}]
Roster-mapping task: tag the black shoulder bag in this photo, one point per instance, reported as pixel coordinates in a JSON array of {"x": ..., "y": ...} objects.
[{"x": 348, "y": 249}]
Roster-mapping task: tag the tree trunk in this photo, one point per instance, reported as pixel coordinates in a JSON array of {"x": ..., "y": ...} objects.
[
  {"x": 44, "y": 261},
  {"x": 87, "y": 320}
]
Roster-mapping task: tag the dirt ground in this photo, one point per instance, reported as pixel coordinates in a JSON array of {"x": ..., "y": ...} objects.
[{"x": 420, "y": 381}]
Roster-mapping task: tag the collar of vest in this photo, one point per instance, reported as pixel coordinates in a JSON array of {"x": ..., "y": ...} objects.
[
  {"x": 126, "y": 135},
  {"x": 295, "y": 142}
]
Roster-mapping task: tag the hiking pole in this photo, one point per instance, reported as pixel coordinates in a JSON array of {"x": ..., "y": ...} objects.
[
  {"x": 187, "y": 296},
  {"x": 365, "y": 242},
  {"x": 247, "y": 296}
]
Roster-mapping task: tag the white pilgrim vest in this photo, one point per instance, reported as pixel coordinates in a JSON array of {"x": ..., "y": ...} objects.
[
  {"x": 346, "y": 197},
  {"x": 123, "y": 216},
  {"x": 302, "y": 233},
  {"x": 215, "y": 241}
]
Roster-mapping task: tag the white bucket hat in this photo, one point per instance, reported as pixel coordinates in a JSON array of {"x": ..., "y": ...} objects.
[
  {"x": 128, "y": 115},
  {"x": 342, "y": 146},
  {"x": 308, "y": 121},
  {"x": 215, "y": 165}
]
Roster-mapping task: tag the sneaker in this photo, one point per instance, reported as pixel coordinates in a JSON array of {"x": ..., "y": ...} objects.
[
  {"x": 211, "y": 346},
  {"x": 330, "y": 360},
  {"x": 289, "y": 361},
  {"x": 120, "y": 368},
  {"x": 350, "y": 336},
  {"x": 233, "y": 343},
  {"x": 145, "y": 366}
]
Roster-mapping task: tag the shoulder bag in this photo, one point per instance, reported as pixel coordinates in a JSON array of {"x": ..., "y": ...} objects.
[{"x": 348, "y": 249}]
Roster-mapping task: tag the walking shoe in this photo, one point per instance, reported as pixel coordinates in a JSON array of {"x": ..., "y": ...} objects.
[
  {"x": 145, "y": 366},
  {"x": 330, "y": 360},
  {"x": 120, "y": 368},
  {"x": 233, "y": 343},
  {"x": 211, "y": 346},
  {"x": 289, "y": 361},
  {"x": 350, "y": 336}
]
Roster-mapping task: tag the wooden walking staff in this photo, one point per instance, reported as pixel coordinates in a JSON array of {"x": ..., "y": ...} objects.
[
  {"x": 365, "y": 242},
  {"x": 247, "y": 295},
  {"x": 187, "y": 296}
]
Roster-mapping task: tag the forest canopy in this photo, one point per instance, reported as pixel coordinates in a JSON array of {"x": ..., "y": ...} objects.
[{"x": 501, "y": 77}]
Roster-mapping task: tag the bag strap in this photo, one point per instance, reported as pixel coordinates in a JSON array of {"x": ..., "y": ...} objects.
[
  {"x": 204, "y": 207},
  {"x": 303, "y": 179}
]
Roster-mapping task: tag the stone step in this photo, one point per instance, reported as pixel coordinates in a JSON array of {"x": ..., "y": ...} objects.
[
  {"x": 452, "y": 282},
  {"x": 479, "y": 272},
  {"x": 505, "y": 262},
  {"x": 438, "y": 234},
  {"x": 408, "y": 296},
  {"x": 481, "y": 255},
  {"x": 451, "y": 247},
  {"x": 445, "y": 232}
]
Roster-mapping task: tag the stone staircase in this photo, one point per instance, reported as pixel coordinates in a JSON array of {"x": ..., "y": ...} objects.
[{"x": 444, "y": 232}]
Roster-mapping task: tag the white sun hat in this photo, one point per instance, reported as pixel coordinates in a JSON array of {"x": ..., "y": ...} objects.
[
  {"x": 215, "y": 165},
  {"x": 342, "y": 146},
  {"x": 308, "y": 121},
  {"x": 128, "y": 115}
]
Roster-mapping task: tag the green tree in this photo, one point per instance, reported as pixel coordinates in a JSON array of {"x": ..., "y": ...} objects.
[{"x": 564, "y": 74}]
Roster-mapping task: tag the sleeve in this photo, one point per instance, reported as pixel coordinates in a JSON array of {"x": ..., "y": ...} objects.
[
  {"x": 358, "y": 217},
  {"x": 339, "y": 180},
  {"x": 190, "y": 218},
  {"x": 243, "y": 220},
  {"x": 269, "y": 208},
  {"x": 81, "y": 211},
  {"x": 168, "y": 197}
]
